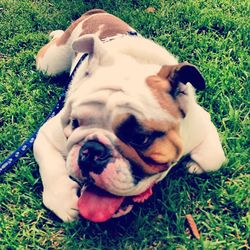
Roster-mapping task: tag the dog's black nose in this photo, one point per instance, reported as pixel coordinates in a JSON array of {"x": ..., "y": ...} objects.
[{"x": 93, "y": 157}]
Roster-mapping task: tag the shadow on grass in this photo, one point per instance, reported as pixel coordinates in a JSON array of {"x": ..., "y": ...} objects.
[{"x": 61, "y": 80}]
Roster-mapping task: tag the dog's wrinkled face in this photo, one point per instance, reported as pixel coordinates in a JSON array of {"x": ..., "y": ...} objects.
[{"x": 122, "y": 126}]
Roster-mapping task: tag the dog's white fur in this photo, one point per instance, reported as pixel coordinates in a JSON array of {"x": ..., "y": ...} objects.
[{"x": 139, "y": 57}]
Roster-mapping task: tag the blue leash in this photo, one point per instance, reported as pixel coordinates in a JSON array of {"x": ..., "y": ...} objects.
[{"x": 27, "y": 145}]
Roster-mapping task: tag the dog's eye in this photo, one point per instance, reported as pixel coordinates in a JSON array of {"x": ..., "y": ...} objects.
[
  {"x": 141, "y": 140},
  {"x": 133, "y": 133},
  {"x": 75, "y": 124}
]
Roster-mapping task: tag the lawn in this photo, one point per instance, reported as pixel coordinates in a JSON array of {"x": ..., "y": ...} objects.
[{"x": 214, "y": 35}]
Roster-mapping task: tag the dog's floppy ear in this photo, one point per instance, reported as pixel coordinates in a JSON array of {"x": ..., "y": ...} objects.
[
  {"x": 92, "y": 45},
  {"x": 183, "y": 73},
  {"x": 178, "y": 76}
]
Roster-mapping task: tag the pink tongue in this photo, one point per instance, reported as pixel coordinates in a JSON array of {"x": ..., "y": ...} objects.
[{"x": 97, "y": 205}]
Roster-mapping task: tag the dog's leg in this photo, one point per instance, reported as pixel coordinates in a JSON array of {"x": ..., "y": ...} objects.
[
  {"x": 55, "y": 58},
  {"x": 208, "y": 155},
  {"x": 59, "y": 191}
]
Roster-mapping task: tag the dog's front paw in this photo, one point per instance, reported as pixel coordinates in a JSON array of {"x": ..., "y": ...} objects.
[
  {"x": 61, "y": 198},
  {"x": 194, "y": 168}
]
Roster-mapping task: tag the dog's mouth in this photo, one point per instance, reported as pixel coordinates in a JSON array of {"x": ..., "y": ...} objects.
[{"x": 98, "y": 205}]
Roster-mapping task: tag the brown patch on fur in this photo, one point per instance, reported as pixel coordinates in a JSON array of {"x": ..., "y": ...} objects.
[
  {"x": 96, "y": 21},
  {"x": 105, "y": 26},
  {"x": 131, "y": 154},
  {"x": 165, "y": 149},
  {"x": 65, "y": 36},
  {"x": 160, "y": 88},
  {"x": 165, "y": 71}
]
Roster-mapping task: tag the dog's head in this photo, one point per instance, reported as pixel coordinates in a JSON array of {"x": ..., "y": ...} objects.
[{"x": 123, "y": 127}]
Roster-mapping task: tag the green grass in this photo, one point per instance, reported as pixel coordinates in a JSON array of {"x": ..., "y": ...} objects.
[{"x": 214, "y": 35}]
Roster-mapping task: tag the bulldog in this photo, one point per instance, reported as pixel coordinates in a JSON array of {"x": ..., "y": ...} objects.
[{"x": 129, "y": 116}]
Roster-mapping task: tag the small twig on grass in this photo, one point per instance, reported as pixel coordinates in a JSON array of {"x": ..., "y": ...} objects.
[{"x": 193, "y": 226}]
